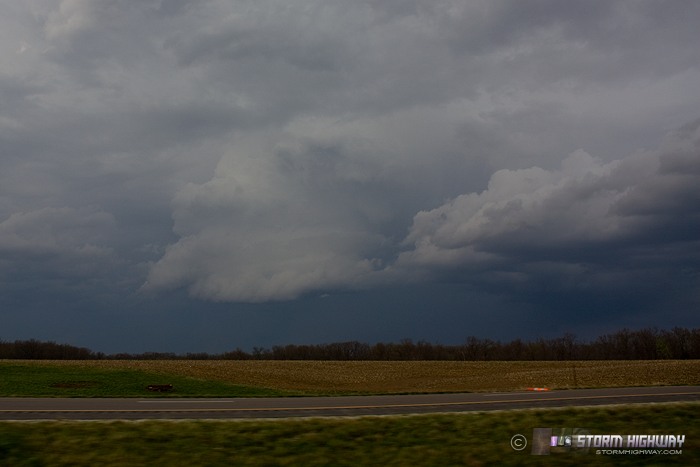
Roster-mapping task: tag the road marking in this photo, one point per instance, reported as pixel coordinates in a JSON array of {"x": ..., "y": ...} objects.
[
  {"x": 342, "y": 407},
  {"x": 194, "y": 401}
]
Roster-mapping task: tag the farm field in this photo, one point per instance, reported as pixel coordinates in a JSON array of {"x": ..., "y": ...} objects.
[
  {"x": 275, "y": 378},
  {"x": 49, "y": 380},
  {"x": 474, "y": 439}
]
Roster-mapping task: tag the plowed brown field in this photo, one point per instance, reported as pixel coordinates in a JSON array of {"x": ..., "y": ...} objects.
[{"x": 414, "y": 376}]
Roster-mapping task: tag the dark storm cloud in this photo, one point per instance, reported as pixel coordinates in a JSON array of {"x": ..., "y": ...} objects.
[
  {"x": 586, "y": 229},
  {"x": 267, "y": 150}
]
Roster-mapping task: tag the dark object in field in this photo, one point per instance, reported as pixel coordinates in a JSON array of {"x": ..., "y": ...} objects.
[{"x": 160, "y": 387}]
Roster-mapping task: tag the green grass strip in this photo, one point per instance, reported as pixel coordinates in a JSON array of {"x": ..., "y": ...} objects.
[
  {"x": 55, "y": 381},
  {"x": 472, "y": 439}
]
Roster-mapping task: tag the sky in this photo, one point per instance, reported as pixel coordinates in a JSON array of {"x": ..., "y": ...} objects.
[{"x": 197, "y": 176}]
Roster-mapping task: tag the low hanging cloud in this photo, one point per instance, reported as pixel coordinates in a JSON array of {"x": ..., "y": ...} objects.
[
  {"x": 585, "y": 224},
  {"x": 261, "y": 230},
  {"x": 269, "y": 226}
]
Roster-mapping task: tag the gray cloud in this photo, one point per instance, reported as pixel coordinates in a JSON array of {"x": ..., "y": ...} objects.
[
  {"x": 587, "y": 225},
  {"x": 53, "y": 250},
  {"x": 268, "y": 226},
  {"x": 55, "y": 231},
  {"x": 274, "y": 227},
  {"x": 268, "y": 150}
]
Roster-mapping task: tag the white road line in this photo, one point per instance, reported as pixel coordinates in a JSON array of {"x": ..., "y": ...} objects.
[{"x": 193, "y": 401}]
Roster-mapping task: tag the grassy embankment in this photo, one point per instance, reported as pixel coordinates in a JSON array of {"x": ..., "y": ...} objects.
[
  {"x": 424, "y": 440},
  {"x": 206, "y": 378}
]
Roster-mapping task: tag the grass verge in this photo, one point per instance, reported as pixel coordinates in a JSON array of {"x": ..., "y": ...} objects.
[{"x": 472, "y": 439}]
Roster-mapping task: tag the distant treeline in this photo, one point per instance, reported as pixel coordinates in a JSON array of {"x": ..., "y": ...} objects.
[{"x": 644, "y": 344}]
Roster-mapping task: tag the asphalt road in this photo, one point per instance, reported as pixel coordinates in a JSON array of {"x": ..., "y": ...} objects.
[{"x": 191, "y": 408}]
